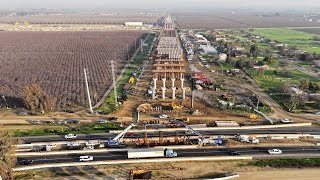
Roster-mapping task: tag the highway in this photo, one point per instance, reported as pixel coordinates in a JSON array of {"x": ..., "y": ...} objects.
[
  {"x": 201, "y": 152},
  {"x": 105, "y": 136}
]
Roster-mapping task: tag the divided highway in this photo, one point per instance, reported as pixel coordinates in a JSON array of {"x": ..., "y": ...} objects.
[
  {"x": 259, "y": 152},
  {"x": 105, "y": 136}
]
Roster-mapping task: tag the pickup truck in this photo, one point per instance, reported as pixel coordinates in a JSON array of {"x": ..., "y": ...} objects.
[{"x": 274, "y": 151}]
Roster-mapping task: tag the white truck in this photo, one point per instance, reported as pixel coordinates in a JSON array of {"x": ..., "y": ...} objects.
[
  {"x": 248, "y": 139},
  {"x": 150, "y": 153}
]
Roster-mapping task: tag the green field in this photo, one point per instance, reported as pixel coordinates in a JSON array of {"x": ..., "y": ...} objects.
[
  {"x": 271, "y": 81},
  {"x": 62, "y": 130},
  {"x": 273, "y": 84},
  {"x": 287, "y": 163},
  {"x": 301, "y": 40}
]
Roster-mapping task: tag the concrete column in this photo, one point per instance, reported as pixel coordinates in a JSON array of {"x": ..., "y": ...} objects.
[
  {"x": 163, "y": 93},
  {"x": 155, "y": 83},
  {"x": 182, "y": 82},
  {"x": 173, "y": 79},
  {"x": 173, "y": 92},
  {"x": 153, "y": 93},
  {"x": 164, "y": 82},
  {"x": 184, "y": 93}
]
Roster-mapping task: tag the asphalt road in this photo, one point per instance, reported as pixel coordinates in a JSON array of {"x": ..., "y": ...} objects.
[
  {"x": 250, "y": 151},
  {"x": 305, "y": 130}
]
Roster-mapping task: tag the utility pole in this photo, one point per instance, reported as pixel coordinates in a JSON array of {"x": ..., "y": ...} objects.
[
  {"x": 4, "y": 98},
  {"x": 88, "y": 92},
  {"x": 128, "y": 52},
  {"x": 141, "y": 45},
  {"x": 192, "y": 91},
  {"x": 135, "y": 43},
  {"x": 114, "y": 84}
]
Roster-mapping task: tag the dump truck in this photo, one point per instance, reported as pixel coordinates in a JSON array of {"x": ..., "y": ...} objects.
[{"x": 151, "y": 153}]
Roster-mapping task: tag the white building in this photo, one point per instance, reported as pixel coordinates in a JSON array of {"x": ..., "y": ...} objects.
[
  {"x": 208, "y": 49},
  {"x": 134, "y": 23}
]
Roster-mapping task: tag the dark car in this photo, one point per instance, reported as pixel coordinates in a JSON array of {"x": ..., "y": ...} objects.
[
  {"x": 234, "y": 153},
  {"x": 25, "y": 162},
  {"x": 72, "y": 121},
  {"x": 47, "y": 122},
  {"x": 113, "y": 118}
]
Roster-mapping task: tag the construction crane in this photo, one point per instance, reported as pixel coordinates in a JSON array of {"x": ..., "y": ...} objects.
[
  {"x": 202, "y": 140},
  {"x": 116, "y": 141}
]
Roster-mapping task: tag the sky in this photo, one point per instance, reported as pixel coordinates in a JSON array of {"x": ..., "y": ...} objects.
[{"x": 176, "y": 4}]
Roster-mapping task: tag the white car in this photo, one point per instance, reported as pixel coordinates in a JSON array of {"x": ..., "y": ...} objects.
[
  {"x": 70, "y": 136},
  {"x": 164, "y": 116},
  {"x": 85, "y": 158},
  {"x": 73, "y": 144},
  {"x": 286, "y": 121},
  {"x": 317, "y": 113},
  {"x": 51, "y": 145},
  {"x": 274, "y": 151}
]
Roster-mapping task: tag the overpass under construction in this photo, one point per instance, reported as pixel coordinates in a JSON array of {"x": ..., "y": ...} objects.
[{"x": 169, "y": 63}]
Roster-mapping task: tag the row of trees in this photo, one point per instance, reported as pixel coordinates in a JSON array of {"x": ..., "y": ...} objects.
[
  {"x": 37, "y": 100},
  {"x": 7, "y": 158}
]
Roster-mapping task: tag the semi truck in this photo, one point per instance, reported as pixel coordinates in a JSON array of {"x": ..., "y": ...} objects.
[{"x": 151, "y": 153}]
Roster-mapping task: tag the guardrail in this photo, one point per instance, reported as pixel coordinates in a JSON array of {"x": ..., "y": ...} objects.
[{"x": 130, "y": 161}]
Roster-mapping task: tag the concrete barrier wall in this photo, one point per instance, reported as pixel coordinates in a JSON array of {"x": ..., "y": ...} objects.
[
  {"x": 229, "y": 177},
  {"x": 222, "y": 128},
  {"x": 45, "y": 153},
  {"x": 130, "y": 161}
]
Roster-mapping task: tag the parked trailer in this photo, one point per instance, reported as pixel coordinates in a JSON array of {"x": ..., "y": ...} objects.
[{"x": 150, "y": 152}]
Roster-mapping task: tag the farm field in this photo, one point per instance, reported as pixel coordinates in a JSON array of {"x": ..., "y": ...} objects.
[
  {"x": 299, "y": 39},
  {"x": 83, "y": 17},
  {"x": 55, "y": 61},
  {"x": 309, "y": 30},
  {"x": 239, "y": 19}
]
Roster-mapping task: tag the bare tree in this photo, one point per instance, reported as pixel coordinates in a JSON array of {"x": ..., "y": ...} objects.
[
  {"x": 304, "y": 84},
  {"x": 7, "y": 158},
  {"x": 37, "y": 100}
]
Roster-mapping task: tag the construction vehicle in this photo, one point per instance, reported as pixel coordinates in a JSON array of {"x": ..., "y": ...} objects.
[
  {"x": 175, "y": 106},
  {"x": 183, "y": 119},
  {"x": 117, "y": 141},
  {"x": 131, "y": 80},
  {"x": 248, "y": 139},
  {"x": 151, "y": 153},
  {"x": 202, "y": 140},
  {"x": 254, "y": 117}
]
